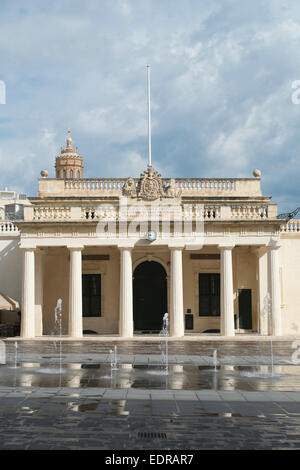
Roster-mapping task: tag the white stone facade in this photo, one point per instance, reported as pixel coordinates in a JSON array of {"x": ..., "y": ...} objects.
[{"x": 76, "y": 228}]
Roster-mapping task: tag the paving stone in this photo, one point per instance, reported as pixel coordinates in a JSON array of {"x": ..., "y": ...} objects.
[
  {"x": 294, "y": 396},
  {"x": 197, "y": 407},
  {"x": 231, "y": 396},
  {"x": 208, "y": 395},
  {"x": 115, "y": 393},
  {"x": 162, "y": 395},
  {"x": 290, "y": 407},
  {"x": 138, "y": 391},
  {"x": 186, "y": 395}
]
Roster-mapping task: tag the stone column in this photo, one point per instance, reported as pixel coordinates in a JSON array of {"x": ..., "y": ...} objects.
[
  {"x": 227, "y": 311},
  {"x": 126, "y": 297},
  {"x": 262, "y": 287},
  {"x": 274, "y": 283},
  {"x": 39, "y": 293},
  {"x": 176, "y": 293},
  {"x": 75, "y": 293},
  {"x": 28, "y": 295}
]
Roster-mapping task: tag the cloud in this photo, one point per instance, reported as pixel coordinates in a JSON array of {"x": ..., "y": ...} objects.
[
  {"x": 120, "y": 124},
  {"x": 221, "y": 76}
]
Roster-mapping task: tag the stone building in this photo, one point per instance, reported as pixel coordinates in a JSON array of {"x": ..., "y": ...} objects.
[
  {"x": 11, "y": 209},
  {"x": 120, "y": 252}
]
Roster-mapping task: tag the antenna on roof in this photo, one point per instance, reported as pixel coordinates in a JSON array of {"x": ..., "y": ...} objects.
[{"x": 149, "y": 117}]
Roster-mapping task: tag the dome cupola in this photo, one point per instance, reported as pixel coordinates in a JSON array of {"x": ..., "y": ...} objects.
[{"x": 69, "y": 165}]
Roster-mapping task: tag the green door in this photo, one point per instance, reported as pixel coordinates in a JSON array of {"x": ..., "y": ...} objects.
[{"x": 245, "y": 309}]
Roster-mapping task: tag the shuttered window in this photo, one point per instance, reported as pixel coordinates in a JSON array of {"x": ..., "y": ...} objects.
[
  {"x": 91, "y": 295},
  {"x": 209, "y": 294}
]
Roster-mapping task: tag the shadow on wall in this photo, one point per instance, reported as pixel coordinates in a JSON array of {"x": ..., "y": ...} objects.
[{"x": 11, "y": 268}]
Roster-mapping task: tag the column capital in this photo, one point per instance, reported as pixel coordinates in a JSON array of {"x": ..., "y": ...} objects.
[
  {"x": 125, "y": 247},
  {"x": 226, "y": 247},
  {"x": 176, "y": 247},
  {"x": 274, "y": 243},
  {"x": 28, "y": 248},
  {"x": 75, "y": 248},
  {"x": 273, "y": 247}
]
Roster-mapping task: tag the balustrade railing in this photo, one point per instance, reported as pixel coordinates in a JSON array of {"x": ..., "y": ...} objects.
[
  {"x": 212, "y": 212},
  {"x": 100, "y": 212},
  {"x": 249, "y": 211},
  {"x": 186, "y": 185},
  {"x": 8, "y": 227},
  {"x": 96, "y": 185},
  {"x": 51, "y": 213},
  {"x": 205, "y": 184},
  {"x": 292, "y": 226},
  {"x": 209, "y": 212}
]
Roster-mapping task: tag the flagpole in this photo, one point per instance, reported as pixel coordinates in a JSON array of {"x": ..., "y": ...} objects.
[{"x": 149, "y": 117}]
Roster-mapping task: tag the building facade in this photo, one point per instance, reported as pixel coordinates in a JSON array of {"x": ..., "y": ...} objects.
[
  {"x": 120, "y": 252},
  {"x": 11, "y": 209}
]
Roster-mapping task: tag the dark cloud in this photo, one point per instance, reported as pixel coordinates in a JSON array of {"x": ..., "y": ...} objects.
[{"x": 221, "y": 72}]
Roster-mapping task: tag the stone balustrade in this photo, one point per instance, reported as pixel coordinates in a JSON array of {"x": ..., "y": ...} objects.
[
  {"x": 292, "y": 226},
  {"x": 186, "y": 185},
  {"x": 7, "y": 227},
  {"x": 51, "y": 213},
  {"x": 212, "y": 212},
  {"x": 98, "y": 213},
  {"x": 98, "y": 185},
  {"x": 249, "y": 211},
  {"x": 243, "y": 187},
  {"x": 199, "y": 185},
  {"x": 209, "y": 212}
]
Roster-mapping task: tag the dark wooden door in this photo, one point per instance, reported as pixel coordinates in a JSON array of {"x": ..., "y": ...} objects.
[
  {"x": 209, "y": 294},
  {"x": 149, "y": 296},
  {"x": 245, "y": 309},
  {"x": 91, "y": 295}
]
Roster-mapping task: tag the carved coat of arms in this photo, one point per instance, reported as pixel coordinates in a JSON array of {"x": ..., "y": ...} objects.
[{"x": 150, "y": 186}]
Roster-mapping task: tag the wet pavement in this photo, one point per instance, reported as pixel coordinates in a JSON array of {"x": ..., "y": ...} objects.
[
  {"x": 74, "y": 400},
  {"x": 144, "y": 377},
  {"x": 187, "y": 347}
]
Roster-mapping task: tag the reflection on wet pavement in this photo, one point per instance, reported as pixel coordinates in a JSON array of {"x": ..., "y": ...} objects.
[
  {"x": 77, "y": 402},
  {"x": 180, "y": 377}
]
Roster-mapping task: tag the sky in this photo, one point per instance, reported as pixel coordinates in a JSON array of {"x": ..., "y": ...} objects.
[{"x": 222, "y": 96}]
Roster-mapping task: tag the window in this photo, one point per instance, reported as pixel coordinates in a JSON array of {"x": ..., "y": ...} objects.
[
  {"x": 209, "y": 295},
  {"x": 91, "y": 295},
  {"x": 71, "y": 174}
]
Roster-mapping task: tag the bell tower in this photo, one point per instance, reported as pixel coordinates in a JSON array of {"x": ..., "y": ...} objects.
[{"x": 69, "y": 165}]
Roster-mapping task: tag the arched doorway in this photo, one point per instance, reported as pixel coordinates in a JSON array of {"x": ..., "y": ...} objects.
[{"x": 149, "y": 296}]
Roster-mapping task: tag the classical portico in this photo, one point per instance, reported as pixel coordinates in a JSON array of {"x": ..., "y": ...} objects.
[
  {"x": 216, "y": 243},
  {"x": 34, "y": 266}
]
